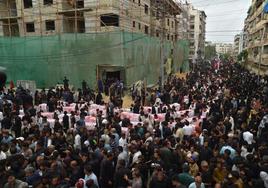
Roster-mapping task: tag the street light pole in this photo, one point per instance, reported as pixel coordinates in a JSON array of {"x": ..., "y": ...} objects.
[
  {"x": 265, "y": 11},
  {"x": 261, "y": 52},
  {"x": 162, "y": 47}
]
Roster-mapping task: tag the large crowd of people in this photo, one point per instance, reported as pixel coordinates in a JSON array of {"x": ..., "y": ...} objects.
[{"x": 208, "y": 130}]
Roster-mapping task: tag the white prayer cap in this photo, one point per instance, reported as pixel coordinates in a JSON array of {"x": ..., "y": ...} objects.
[{"x": 104, "y": 121}]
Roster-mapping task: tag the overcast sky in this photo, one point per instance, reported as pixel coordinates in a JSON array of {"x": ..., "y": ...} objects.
[{"x": 224, "y": 16}]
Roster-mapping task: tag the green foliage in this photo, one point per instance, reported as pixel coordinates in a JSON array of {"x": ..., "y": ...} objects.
[
  {"x": 210, "y": 52},
  {"x": 225, "y": 57},
  {"x": 243, "y": 56}
]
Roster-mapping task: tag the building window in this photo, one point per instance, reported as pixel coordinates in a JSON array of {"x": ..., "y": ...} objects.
[
  {"x": 146, "y": 9},
  {"x": 168, "y": 22},
  {"x": 50, "y": 25},
  {"x": 139, "y": 2},
  {"x": 157, "y": 33},
  {"x": 80, "y": 4},
  {"x": 265, "y": 50},
  {"x": 139, "y": 26},
  {"x": 157, "y": 15},
  {"x": 110, "y": 20},
  {"x": 30, "y": 27},
  {"x": 153, "y": 13},
  {"x": 168, "y": 37},
  {"x": 134, "y": 24},
  {"x": 146, "y": 29},
  {"x": 172, "y": 37},
  {"x": 28, "y": 3},
  {"x": 48, "y": 2},
  {"x": 172, "y": 24}
]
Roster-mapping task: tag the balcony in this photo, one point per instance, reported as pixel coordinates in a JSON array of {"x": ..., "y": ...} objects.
[
  {"x": 102, "y": 3},
  {"x": 109, "y": 29},
  {"x": 259, "y": 3},
  {"x": 8, "y": 11},
  {"x": 264, "y": 61},
  {"x": 260, "y": 24},
  {"x": 69, "y": 7},
  {"x": 258, "y": 11},
  {"x": 265, "y": 41},
  {"x": 256, "y": 58},
  {"x": 257, "y": 42},
  {"x": 13, "y": 16},
  {"x": 250, "y": 44},
  {"x": 87, "y": 5}
]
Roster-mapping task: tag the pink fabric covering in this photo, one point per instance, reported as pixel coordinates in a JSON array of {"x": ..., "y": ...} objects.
[
  {"x": 90, "y": 119},
  {"x": 43, "y": 107},
  {"x": 49, "y": 115},
  {"x": 131, "y": 116},
  {"x": 68, "y": 108}
]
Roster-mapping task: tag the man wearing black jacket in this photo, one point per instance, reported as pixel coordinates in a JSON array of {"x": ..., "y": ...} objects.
[
  {"x": 119, "y": 177},
  {"x": 65, "y": 121},
  {"x": 107, "y": 171}
]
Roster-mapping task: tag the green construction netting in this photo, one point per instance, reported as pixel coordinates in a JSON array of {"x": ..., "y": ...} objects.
[{"x": 48, "y": 59}]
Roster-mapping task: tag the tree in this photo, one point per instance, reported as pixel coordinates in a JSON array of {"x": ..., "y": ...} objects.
[
  {"x": 243, "y": 56},
  {"x": 210, "y": 52},
  {"x": 226, "y": 57}
]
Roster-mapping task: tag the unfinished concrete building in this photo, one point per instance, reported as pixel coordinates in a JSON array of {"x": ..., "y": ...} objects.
[
  {"x": 184, "y": 22},
  {"x": 129, "y": 40},
  {"x": 37, "y": 18}
]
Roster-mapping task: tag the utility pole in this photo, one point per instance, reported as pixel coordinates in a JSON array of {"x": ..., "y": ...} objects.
[
  {"x": 261, "y": 52},
  {"x": 265, "y": 11},
  {"x": 22, "y": 17},
  {"x": 40, "y": 19},
  {"x": 9, "y": 15},
  {"x": 162, "y": 46},
  {"x": 75, "y": 17}
]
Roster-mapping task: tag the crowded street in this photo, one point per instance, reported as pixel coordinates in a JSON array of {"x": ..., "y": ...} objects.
[
  {"x": 134, "y": 94},
  {"x": 207, "y": 130}
]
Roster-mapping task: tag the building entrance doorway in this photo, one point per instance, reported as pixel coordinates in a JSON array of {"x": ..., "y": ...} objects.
[
  {"x": 115, "y": 75},
  {"x": 109, "y": 74}
]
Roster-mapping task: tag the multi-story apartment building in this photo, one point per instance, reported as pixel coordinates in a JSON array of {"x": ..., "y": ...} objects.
[
  {"x": 239, "y": 43},
  {"x": 236, "y": 45},
  {"x": 184, "y": 22},
  {"x": 256, "y": 27},
  {"x": 223, "y": 48},
  {"x": 46, "y": 17},
  {"x": 197, "y": 32}
]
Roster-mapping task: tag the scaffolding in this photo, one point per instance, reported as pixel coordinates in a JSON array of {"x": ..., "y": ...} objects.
[
  {"x": 87, "y": 37},
  {"x": 85, "y": 16}
]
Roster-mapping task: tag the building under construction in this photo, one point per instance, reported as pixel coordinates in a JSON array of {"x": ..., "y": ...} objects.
[
  {"x": 46, "y": 17},
  {"x": 137, "y": 35}
]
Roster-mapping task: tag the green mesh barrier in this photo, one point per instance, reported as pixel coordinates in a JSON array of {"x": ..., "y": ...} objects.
[{"x": 48, "y": 59}]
